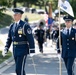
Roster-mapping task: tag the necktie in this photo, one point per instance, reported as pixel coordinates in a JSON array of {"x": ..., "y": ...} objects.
[
  {"x": 67, "y": 32},
  {"x": 15, "y": 26}
]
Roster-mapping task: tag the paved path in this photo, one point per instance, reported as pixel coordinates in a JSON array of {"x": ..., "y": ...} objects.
[{"x": 46, "y": 64}]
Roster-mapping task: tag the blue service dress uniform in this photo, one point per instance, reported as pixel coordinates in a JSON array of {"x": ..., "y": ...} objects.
[
  {"x": 23, "y": 44},
  {"x": 55, "y": 35},
  {"x": 48, "y": 34},
  {"x": 40, "y": 35},
  {"x": 68, "y": 43}
]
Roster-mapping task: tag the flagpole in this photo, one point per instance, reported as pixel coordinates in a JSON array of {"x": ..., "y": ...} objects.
[{"x": 60, "y": 63}]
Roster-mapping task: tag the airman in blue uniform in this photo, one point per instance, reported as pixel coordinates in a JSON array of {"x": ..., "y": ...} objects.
[
  {"x": 20, "y": 34},
  {"x": 55, "y": 34},
  {"x": 48, "y": 33},
  {"x": 26, "y": 19},
  {"x": 40, "y": 36},
  {"x": 68, "y": 43}
]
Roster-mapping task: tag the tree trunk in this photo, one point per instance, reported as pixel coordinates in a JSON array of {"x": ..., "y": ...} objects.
[{"x": 14, "y": 4}]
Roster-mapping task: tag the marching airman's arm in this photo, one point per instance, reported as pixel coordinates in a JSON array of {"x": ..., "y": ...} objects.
[
  {"x": 28, "y": 33},
  {"x": 58, "y": 45},
  {"x": 9, "y": 39},
  {"x": 8, "y": 42},
  {"x": 44, "y": 36}
]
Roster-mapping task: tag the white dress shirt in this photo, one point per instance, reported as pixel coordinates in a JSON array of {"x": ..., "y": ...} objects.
[{"x": 65, "y": 30}]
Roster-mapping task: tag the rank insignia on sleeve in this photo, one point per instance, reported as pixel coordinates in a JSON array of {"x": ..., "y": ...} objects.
[{"x": 29, "y": 31}]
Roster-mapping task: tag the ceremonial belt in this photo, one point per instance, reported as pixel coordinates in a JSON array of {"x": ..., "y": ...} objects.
[{"x": 19, "y": 43}]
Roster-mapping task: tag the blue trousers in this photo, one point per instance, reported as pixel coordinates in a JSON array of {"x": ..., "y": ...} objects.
[
  {"x": 69, "y": 62},
  {"x": 40, "y": 46},
  {"x": 20, "y": 64}
]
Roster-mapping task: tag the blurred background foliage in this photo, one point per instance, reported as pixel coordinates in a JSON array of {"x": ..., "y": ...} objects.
[{"x": 35, "y": 3}]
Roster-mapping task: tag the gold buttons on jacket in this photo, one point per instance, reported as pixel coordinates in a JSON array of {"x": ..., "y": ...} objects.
[
  {"x": 20, "y": 35},
  {"x": 67, "y": 39},
  {"x": 67, "y": 43},
  {"x": 72, "y": 38}
]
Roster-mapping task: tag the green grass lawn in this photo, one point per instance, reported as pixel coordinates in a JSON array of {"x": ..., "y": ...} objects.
[
  {"x": 30, "y": 16},
  {"x": 1, "y": 43},
  {"x": 6, "y": 18},
  {"x": 4, "y": 58}
]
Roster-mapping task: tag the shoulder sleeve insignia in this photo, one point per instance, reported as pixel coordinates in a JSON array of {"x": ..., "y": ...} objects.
[{"x": 29, "y": 31}]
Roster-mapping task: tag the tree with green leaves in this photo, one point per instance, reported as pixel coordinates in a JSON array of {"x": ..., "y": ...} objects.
[{"x": 6, "y": 3}]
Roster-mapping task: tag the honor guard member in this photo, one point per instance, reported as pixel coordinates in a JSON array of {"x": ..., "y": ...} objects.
[
  {"x": 20, "y": 34},
  {"x": 26, "y": 19},
  {"x": 48, "y": 34},
  {"x": 55, "y": 34},
  {"x": 68, "y": 44},
  {"x": 40, "y": 36}
]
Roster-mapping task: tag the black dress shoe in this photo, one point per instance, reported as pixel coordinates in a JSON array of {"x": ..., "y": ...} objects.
[{"x": 41, "y": 51}]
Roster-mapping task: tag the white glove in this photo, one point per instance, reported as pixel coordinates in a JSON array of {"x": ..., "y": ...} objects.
[
  {"x": 45, "y": 43},
  {"x": 32, "y": 54},
  {"x": 59, "y": 56},
  {"x": 4, "y": 53}
]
